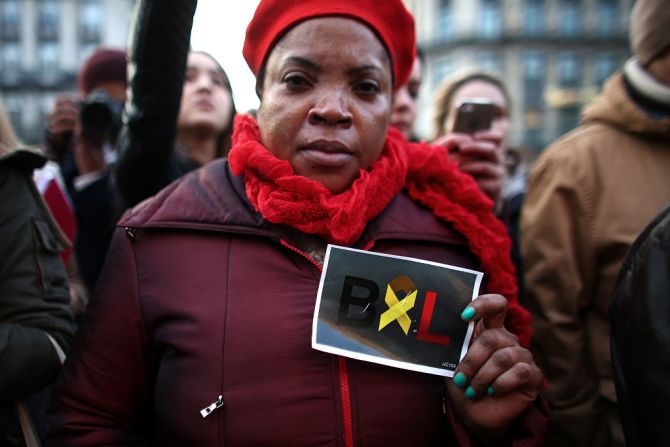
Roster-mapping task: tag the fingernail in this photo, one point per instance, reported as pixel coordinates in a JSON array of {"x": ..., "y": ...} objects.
[
  {"x": 490, "y": 391},
  {"x": 460, "y": 380},
  {"x": 468, "y": 313},
  {"x": 470, "y": 393}
]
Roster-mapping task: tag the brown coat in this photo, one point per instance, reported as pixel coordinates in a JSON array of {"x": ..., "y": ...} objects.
[{"x": 589, "y": 196}]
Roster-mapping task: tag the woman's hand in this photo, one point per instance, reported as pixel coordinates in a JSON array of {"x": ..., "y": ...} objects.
[
  {"x": 479, "y": 155},
  {"x": 497, "y": 380},
  {"x": 62, "y": 121},
  {"x": 89, "y": 155}
]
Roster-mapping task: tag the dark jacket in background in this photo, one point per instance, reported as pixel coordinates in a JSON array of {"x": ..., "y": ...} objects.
[
  {"x": 34, "y": 293},
  {"x": 148, "y": 160},
  {"x": 94, "y": 207},
  {"x": 640, "y": 319}
]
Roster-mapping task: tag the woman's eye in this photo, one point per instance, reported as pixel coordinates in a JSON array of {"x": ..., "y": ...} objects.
[
  {"x": 296, "y": 81},
  {"x": 413, "y": 92},
  {"x": 368, "y": 87}
]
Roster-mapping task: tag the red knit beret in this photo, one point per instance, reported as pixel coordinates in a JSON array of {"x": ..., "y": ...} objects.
[
  {"x": 105, "y": 64},
  {"x": 389, "y": 19}
]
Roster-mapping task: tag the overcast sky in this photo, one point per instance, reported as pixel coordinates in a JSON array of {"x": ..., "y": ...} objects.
[{"x": 218, "y": 28}]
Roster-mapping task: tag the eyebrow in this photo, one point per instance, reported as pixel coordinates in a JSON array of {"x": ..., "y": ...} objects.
[
  {"x": 207, "y": 70},
  {"x": 304, "y": 62},
  {"x": 363, "y": 69},
  {"x": 298, "y": 60}
]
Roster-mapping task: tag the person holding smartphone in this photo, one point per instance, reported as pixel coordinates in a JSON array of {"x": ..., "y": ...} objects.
[{"x": 471, "y": 121}]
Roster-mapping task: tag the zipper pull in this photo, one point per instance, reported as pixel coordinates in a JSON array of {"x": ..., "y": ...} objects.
[
  {"x": 210, "y": 408},
  {"x": 130, "y": 233}
]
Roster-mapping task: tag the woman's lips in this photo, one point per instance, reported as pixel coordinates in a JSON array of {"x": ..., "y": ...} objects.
[
  {"x": 331, "y": 154},
  {"x": 402, "y": 126},
  {"x": 204, "y": 104}
]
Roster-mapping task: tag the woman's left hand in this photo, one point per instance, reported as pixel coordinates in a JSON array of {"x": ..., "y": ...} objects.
[{"x": 497, "y": 380}]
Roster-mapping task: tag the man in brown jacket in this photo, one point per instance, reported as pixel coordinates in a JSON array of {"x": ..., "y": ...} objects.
[{"x": 589, "y": 196}]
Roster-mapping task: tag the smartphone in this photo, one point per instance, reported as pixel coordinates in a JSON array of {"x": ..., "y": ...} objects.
[{"x": 473, "y": 115}]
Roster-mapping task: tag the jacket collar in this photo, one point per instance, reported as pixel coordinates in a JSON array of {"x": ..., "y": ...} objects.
[
  {"x": 27, "y": 157},
  {"x": 616, "y": 108},
  {"x": 213, "y": 199},
  {"x": 646, "y": 84},
  {"x": 210, "y": 198}
]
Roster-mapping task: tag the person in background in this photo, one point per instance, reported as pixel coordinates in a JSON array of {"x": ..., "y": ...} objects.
[
  {"x": 512, "y": 196},
  {"x": 81, "y": 134},
  {"x": 480, "y": 155},
  {"x": 405, "y": 100},
  {"x": 639, "y": 316},
  {"x": 589, "y": 196},
  {"x": 36, "y": 323},
  {"x": 205, "y": 306},
  {"x": 177, "y": 120}
]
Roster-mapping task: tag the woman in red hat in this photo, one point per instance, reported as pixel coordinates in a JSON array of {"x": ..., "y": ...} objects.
[{"x": 200, "y": 330}]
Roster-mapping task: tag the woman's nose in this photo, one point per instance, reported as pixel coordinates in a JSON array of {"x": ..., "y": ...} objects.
[
  {"x": 402, "y": 100},
  {"x": 331, "y": 109},
  {"x": 204, "y": 82}
]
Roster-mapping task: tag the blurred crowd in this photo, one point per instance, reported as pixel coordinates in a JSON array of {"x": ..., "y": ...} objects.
[{"x": 151, "y": 211}]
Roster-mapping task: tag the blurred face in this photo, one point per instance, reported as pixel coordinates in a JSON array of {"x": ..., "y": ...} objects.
[
  {"x": 405, "y": 102},
  {"x": 206, "y": 102},
  {"x": 485, "y": 90},
  {"x": 326, "y": 100},
  {"x": 115, "y": 89}
]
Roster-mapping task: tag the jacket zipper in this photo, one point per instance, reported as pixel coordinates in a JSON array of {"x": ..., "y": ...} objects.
[
  {"x": 301, "y": 253},
  {"x": 213, "y": 406},
  {"x": 345, "y": 395}
]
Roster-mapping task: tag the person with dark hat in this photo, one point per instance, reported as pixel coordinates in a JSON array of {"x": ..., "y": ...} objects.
[
  {"x": 206, "y": 304},
  {"x": 590, "y": 194},
  {"x": 81, "y": 134}
]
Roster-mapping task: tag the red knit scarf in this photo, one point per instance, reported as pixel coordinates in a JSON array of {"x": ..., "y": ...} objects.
[{"x": 426, "y": 173}]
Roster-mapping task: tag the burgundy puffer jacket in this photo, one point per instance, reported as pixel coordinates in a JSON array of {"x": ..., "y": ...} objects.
[{"x": 200, "y": 298}]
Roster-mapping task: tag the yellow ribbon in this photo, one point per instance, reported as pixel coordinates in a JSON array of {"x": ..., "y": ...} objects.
[{"x": 397, "y": 310}]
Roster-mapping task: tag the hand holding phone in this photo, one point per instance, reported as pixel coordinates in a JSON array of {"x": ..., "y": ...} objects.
[{"x": 474, "y": 115}]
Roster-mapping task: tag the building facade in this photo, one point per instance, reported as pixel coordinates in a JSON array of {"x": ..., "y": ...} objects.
[
  {"x": 42, "y": 45},
  {"x": 553, "y": 55}
]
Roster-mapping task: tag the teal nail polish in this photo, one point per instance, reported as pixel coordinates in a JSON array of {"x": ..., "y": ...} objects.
[
  {"x": 468, "y": 313},
  {"x": 460, "y": 380},
  {"x": 490, "y": 391},
  {"x": 470, "y": 393}
]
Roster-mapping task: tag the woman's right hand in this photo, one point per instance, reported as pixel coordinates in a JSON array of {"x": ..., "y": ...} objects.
[
  {"x": 62, "y": 121},
  {"x": 479, "y": 155}
]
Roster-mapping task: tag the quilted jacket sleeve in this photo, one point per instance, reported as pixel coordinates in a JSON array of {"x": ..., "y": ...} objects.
[{"x": 102, "y": 397}]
